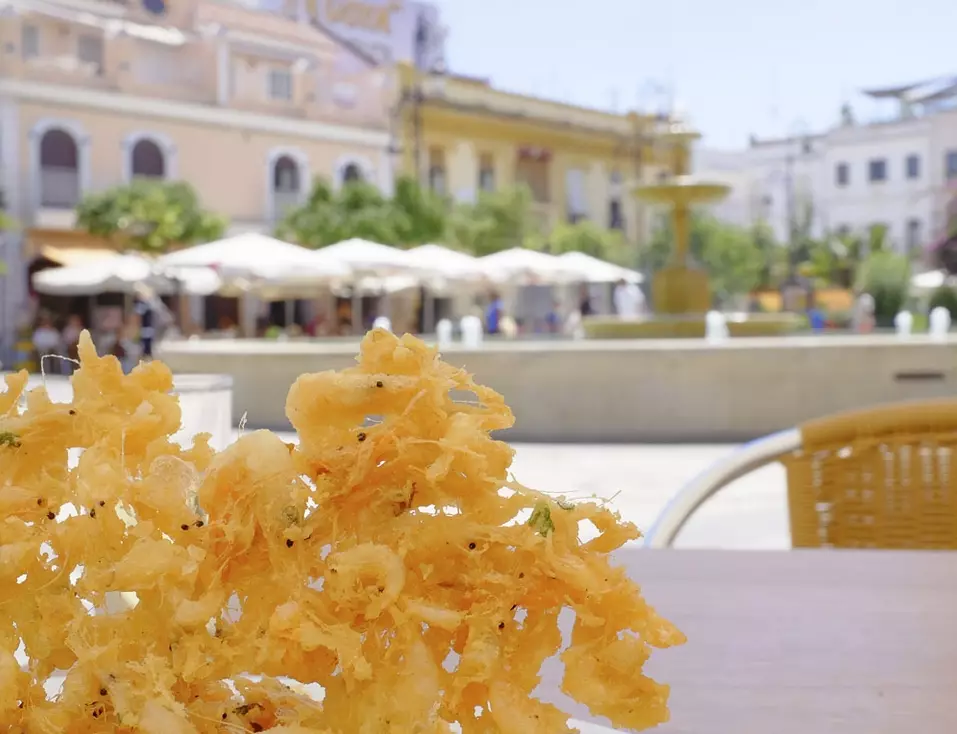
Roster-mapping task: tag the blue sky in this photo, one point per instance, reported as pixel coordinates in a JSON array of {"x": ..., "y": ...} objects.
[{"x": 736, "y": 67}]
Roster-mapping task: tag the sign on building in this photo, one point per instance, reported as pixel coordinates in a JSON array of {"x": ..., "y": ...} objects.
[{"x": 391, "y": 31}]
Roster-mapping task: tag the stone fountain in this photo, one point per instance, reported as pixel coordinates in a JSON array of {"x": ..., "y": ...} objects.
[{"x": 681, "y": 292}]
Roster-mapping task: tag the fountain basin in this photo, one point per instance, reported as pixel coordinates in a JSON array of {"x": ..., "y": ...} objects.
[
  {"x": 683, "y": 191},
  {"x": 689, "y": 326}
]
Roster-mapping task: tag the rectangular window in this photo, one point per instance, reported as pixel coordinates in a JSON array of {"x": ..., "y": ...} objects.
[
  {"x": 486, "y": 180},
  {"x": 89, "y": 50},
  {"x": 615, "y": 218},
  {"x": 280, "y": 84},
  {"x": 913, "y": 166},
  {"x": 877, "y": 170},
  {"x": 29, "y": 41},
  {"x": 950, "y": 165},
  {"x": 842, "y": 174},
  {"x": 913, "y": 235},
  {"x": 576, "y": 202}
]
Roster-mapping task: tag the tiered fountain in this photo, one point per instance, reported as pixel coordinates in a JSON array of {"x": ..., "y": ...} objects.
[{"x": 681, "y": 293}]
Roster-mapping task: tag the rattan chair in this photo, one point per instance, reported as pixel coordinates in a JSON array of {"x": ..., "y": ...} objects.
[{"x": 885, "y": 477}]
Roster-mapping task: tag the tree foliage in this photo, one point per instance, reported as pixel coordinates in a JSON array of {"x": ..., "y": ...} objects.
[
  {"x": 150, "y": 216},
  {"x": 6, "y": 222},
  {"x": 886, "y": 277},
  {"x": 587, "y": 237},
  {"x": 413, "y": 216},
  {"x": 945, "y": 296},
  {"x": 498, "y": 220}
]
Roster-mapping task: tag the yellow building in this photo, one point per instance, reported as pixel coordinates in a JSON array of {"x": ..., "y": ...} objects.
[{"x": 461, "y": 135}]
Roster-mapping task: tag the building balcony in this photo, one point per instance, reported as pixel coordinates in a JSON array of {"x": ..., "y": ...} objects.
[{"x": 64, "y": 70}]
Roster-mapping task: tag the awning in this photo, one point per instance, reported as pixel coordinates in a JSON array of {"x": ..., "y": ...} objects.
[{"x": 69, "y": 256}]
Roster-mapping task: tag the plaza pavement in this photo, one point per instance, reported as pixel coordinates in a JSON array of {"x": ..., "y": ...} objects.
[
  {"x": 751, "y": 513},
  {"x": 639, "y": 480}
]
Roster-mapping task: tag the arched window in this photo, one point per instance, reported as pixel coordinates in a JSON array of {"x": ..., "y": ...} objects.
[
  {"x": 147, "y": 160},
  {"x": 59, "y": 169},
  {"x": 286, "y": 183},
  {"x": 285, "y": 176},
  {"x": 351, "y": 173}
]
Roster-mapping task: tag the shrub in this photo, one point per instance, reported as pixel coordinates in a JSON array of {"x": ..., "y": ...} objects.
[
  {"x": 886, "y": 277},
  {"x": 945, "y": 296}
]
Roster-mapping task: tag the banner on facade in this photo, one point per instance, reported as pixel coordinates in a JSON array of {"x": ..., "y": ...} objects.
[{"x": 391, "y": 31}]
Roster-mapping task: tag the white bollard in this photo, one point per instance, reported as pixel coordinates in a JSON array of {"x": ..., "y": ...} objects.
[
  {"x": 939, "y": 325},
  {"x": 443, "y": 334},
  {"x": 715, "y": 326},
  {"x": 904, "y": 323},
  {"x": 382, "y": 322},
  {"x": 472, "y": 332}
]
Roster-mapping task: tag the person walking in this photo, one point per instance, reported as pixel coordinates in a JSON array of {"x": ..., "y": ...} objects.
[{"x": 145, "y": 317}]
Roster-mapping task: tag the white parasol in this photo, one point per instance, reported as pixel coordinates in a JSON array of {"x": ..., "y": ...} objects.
[
  {"x": 263, "y": 261},
  {"x": 521, "y": 265},
  {"x": 365, "y": 257},
  {"x": 596, "y": 270},
  {"x": 120, "y": 274}
]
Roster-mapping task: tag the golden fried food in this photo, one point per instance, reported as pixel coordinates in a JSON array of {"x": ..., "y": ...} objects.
[{"x": 383, "y": 576}]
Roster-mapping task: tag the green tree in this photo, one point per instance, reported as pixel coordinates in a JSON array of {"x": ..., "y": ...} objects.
[
  {"x": 6, "y": 222},
  {"x": 497, "y": 221},
  {"x": 886, "y": 277},
  {"x": 773, "y": 255},
  {"x": 423, "y": 215},
  {"x": 150, "y": 216},
  {"x": 584, "y": 236},
  {"x": 726, "y": 251},
  {"x": 945, "y": 296},
  {"x": 802, "y": 240},
  {"x": 414, "y": 216}
]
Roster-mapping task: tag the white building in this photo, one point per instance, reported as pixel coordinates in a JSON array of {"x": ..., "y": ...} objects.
[
  {"x": 900, "y": 173},
  {"x": 772, "y": 181}
]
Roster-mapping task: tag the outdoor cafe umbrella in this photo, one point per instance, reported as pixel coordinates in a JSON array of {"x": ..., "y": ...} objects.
[
  {"x": 260, "y": 262},
  {"x": 520, "y": 265},
  {"x": 442, "y": 267},
  {"x": 595, "y": 270},
  {"x": 120, "y": 274},
  {"x": 444, "y": 263},
  {"x": 369, "y": 261},
  {"x": 929, "y": 281}
]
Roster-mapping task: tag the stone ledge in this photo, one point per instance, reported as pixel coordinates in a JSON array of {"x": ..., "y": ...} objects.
[{"x": 619, "y": 392}]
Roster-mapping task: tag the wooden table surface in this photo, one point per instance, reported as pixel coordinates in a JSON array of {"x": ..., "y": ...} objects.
[{"x": 801, "y": 642}]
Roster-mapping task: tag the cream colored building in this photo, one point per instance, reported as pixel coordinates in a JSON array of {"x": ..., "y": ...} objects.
[{"x": 247, "y": 106}]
